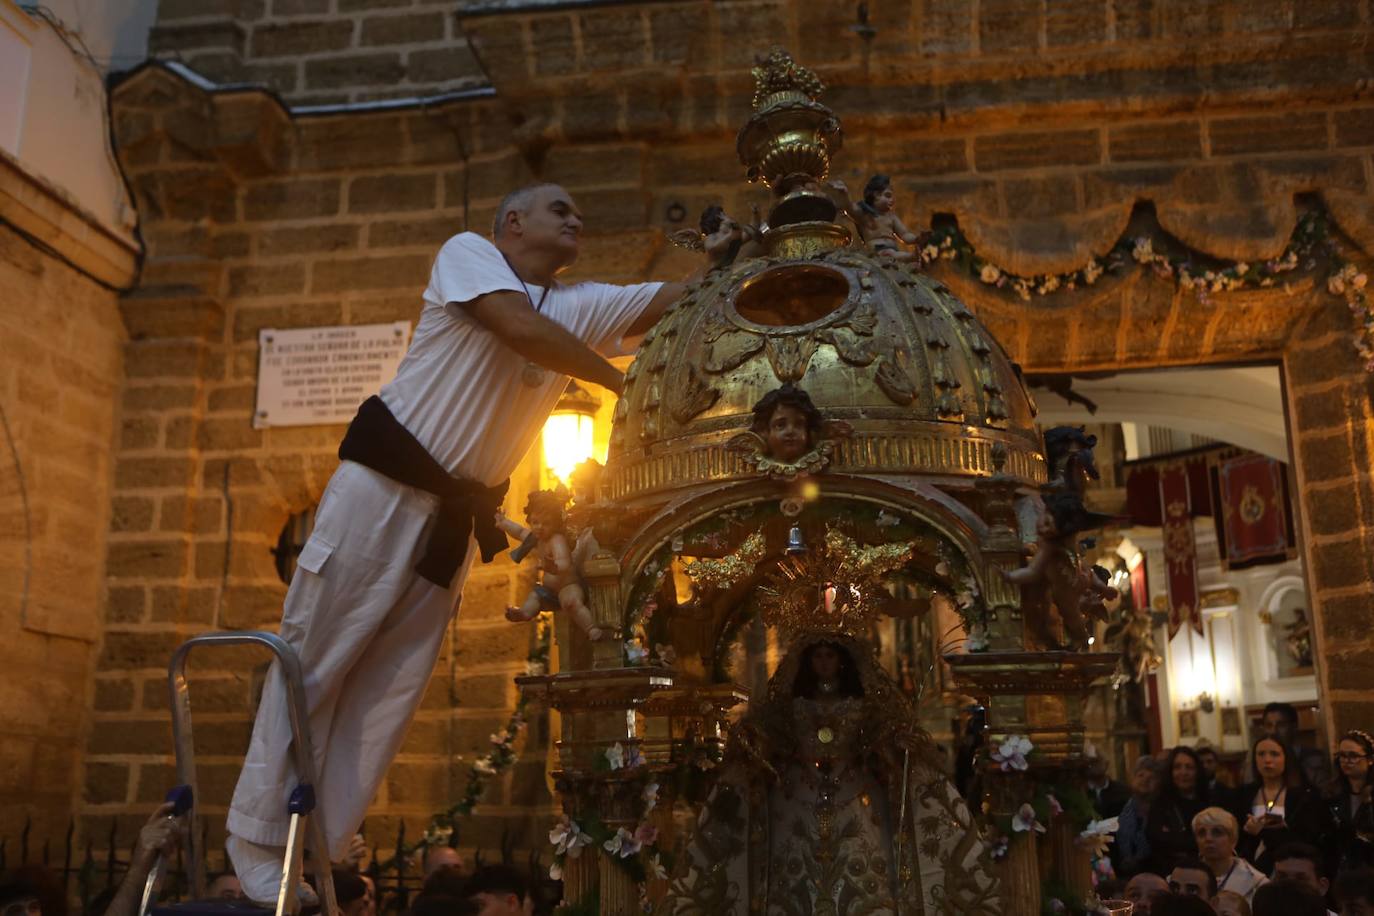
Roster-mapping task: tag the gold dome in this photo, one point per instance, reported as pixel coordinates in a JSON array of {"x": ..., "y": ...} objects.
[{"x": 927, "y": 390}]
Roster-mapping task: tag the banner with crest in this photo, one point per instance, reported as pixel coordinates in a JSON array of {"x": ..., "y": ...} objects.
[{"x": 1253, "y": 516}]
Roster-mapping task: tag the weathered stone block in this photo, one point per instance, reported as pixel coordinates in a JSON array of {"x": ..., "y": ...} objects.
[
  {"x": 249, "y": 607},
  {"x": 1348, "y": 619},
  {"x": 125, "y": 650},
  {"x": 113, "y": 695},
  {"x": 395, "y": 272},
  {"x": 182, "y": 605},
  {"x": 1355, "y": 127},
  {"x": 1268, "y": 134},
  {"x": 298, "y": 7},
  {"x": 285, "y": 39},
  {"x": 266, "y": 279},
  {"x": 407, "y": 29},
  {"x": 228, "y": 694},
  {"x": 1007, "y": 27},
  {"x": 131, "y": 513},
  {"x": 430, "y": 232},
  {"x": 292, "y": 199},
  {"x": 391, "y": 193},
  {"x": 1340, "y": 565},
  {"x": 1036, "y": 149},
  {"x": 310, "y": 239},
  {"x": 230, "y": 434},
  {"x": 1324, "y": 458},
  {"x": 1328, "y": 409},
  {"x": 354, "y": 70},
  {"x": 444, "y": 65},
  {"x": 1161, "y": 141},
  {"x": 126, "y": 604},
  {"x": 1075, "y": 22},
  {"x": 417, "y": 783},
  {"x": 556, "y": 49},
  {"x": 152, "y": 558},
  {"x": 1350, "y": 670},
  {"x": 1331, "y": 510},
  {"x": 216, "y": 33},
  {"x": 196, "y": 515},
  {"x": 249, "y": 320},
  {"x": 613, "y": 39},
  {"x": 106, "y": 783},
  {"x": 147, "y": 472}
]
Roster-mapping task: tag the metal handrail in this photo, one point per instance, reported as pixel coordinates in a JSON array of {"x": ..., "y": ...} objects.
[{"x": 300, "y": 732}]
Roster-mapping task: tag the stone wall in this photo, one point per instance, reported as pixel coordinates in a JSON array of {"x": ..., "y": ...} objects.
[
  {"x": 317, "y": 52},
  {"x": 1041, "y": 135},
  {"x": 61, "y": 361}
]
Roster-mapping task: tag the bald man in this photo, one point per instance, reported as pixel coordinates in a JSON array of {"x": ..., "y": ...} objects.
[{"x": 424, "y": 466}]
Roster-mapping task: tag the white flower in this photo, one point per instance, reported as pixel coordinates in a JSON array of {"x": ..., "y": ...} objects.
[
  {"x": 484, "y": 766},
  {"x": 556, "y": 871},
  {"x": 1358, "y": 281},
  {"x": 498, "y": 738},
  {"x": 1097, "y": 836},
  {"x": 534, "y": 669},
  {"x": 656, "y": 868},
  {"x": 990, "y": 273},
  {"x": 1143, "y": 251},
  {"x": 977, "y": 638},
  {"x": 930, "y": 253},
  {"x": 623, "y": 844},
  {"x": 650, "y": 797},
  {"x": 1011, "y": 753},
  {"x": 1092, "y": 272},
  {"x": 1056, "y": 809},
  {"x": 567, "y": 838},
  {"x": 1048, "y": 285},
  {"x": 615, "y": 756},
  {"x": 635, "y": 651},
  {"x": 1241, "y": 268},
  {"x": 942, "y": 568},
  {"x": 1025, "y": 821}
]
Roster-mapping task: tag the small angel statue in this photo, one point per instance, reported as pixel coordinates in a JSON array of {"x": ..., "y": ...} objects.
[
  {"x": 879, "y": 225},
  {"x": 561, "y": 588},
  {"x": 789, "y": 437},
  {"x": 721, "y": 237}
]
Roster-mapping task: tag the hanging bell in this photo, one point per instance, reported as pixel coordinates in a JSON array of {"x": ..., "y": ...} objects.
[{"x": 796, "y": 546}]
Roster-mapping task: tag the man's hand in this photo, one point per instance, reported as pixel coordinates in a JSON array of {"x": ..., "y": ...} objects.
[
  {"x": 357, "y": 850},
  {"x": 160, "y": 836}
]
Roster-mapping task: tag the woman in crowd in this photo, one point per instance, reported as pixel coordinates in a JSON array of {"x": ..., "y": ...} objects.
[
  {"x": 1131, "y": 850},
  {"x": 1182, "y": 795},
  {"x": 1349, "y": 801},
  {"x": 1279, "y": 807},
  {"x": 1216, "y": 832}
]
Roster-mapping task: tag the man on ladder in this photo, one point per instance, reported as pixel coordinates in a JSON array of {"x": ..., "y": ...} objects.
[{"x": 424, "y": 467}]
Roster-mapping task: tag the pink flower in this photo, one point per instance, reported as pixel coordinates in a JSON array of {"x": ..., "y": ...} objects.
[{"x": 646, "y": 834}]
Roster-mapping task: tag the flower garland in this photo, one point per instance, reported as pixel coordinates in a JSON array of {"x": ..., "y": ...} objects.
[
  {"x": 443, "y": 825},
  {"x": 1310, "y": 246}
]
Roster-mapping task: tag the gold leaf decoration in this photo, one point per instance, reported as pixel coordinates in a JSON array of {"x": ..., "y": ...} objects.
[
  {"x": 731, "y": 350},
  {"x": 731, "y": 569},
  {"x": 790, "y": 356},
  {"x": 850, "y": 347},
  {"x": 864, "y": 319},
  {"x": 837, "y": 588},
  {"x": 892, "y": 377},
  {"x": 696, "y": 395}
]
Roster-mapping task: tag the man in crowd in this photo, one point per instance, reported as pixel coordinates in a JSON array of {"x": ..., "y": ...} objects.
[
  {"x": 1299, "y": 863},
  {"x": 1280, "y": 720},
  {"x": 1142, "y": 890},
  {"x": 424, "y": 466},
  {"x": 1355, "y": 891},
  {"x": 1192, "y": 878},
  {"x": 1108, "y": 795},
  {"x": 500, "y": 890}
]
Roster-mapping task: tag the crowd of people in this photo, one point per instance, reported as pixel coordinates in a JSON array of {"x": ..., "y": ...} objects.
[
  {"x": 449, "y": 889},
  {"x": 1294, "y": 838}
]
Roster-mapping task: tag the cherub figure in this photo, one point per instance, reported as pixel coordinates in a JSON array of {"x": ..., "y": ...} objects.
[
  {"x": 561, "y": 588},
  {"x": 723, "y": 238},
  {"x": 1056, "y": 566},
  {"x": 789, "y": 436},
  {"x": 878, "y": 223}
]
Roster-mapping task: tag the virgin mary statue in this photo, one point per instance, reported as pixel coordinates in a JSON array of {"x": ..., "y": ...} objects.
[{"x": 831, "y": 801}]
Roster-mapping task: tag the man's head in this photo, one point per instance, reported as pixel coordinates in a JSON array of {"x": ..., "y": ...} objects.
[
  {"x": 540, "y": 219},
  {"x": 501, "y": 891},
  {"x": 1355, "y": 891},
  {"x": 1287, "y": 898},
  {"x": 1143, "y": 888},
  {"x": 437, "y": 857},
  {"x": 1229, "y": 903},
  {"x": 1215, "y": 831},
  {"x": 1175, "y": 904},
  {"x": 225, "y": 886},
  {"x": 1192, "y": 878},
  {"x": 350, "y": 892},
  {"x": 1281, "y": 721},
  {"x": 1301, "y": 864},
  {"x": 1208, "y": 758}
]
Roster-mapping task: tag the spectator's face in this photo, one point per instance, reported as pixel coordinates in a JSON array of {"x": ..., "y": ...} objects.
[
  {"x": 1185, "y": 773},
  {"x": 1214, "y": 841},
  {"x": 504, "y": 905},
  {"x": 1276, "y": 725},
  {"x": 1300, "y": 871},
  {"x": 226, "y": 887},
  {"x": 1141, "y": 891},
  {"x": 1189, "y": 882},
  {"x": 1354, "y": 759},
  {"x": 553, "y": 223},
  {"x": 1209, "y": 764},
  {"x": 1228, "y": 904},
  {"x": 1269, "y": 759},
  {"x": 1144, "y": 781}
]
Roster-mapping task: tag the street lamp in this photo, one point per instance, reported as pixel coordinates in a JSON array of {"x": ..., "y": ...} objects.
[{"x": 569, "y": 433}]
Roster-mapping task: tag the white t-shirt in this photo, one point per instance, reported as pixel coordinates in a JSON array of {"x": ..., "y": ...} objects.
[{"x": 459, "y": 390}]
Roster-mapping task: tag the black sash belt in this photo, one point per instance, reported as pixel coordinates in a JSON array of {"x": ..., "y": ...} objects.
[{"x": 377, "y": 440}]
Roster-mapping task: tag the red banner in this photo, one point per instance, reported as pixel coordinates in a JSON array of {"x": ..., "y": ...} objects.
[
  {"x": 1254, "y": 511},
  {"x": 1140, "y": 586},
  {"x": 1180, "y": 550}
]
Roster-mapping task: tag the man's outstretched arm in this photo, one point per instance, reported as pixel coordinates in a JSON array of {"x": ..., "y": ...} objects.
[
  {"x": 514, "y": 321},
  {"x": 667, "y": 294}
]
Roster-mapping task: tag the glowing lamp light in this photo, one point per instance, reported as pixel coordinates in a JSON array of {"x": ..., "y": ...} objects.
[{"x": 569, "y": 433}]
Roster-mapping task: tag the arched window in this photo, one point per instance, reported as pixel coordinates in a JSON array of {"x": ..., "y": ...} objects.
[{"x": 291, "y": 541}]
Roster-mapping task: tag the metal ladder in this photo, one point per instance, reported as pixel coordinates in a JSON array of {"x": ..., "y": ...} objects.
[{"x": 301, "y": 804}]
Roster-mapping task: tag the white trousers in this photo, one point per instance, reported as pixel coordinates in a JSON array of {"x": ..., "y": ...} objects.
[{"x": 367, "y": 629}]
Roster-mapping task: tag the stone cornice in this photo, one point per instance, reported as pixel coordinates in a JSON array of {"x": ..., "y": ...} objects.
[{"x": 43, "y": 212}]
